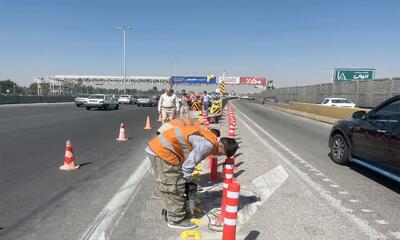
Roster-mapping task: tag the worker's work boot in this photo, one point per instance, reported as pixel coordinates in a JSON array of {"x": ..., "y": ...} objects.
[{"x": 184, "y": 224}]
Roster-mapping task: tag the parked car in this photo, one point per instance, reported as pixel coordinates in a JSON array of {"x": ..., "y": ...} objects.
[
  {"x": 270, "y": 99},
  {"x": 371, "y": 139},
  {"x": 146, "y": 101},
  {"x": 247, "y": 97},
  {"x": 126, "y": 99},
  {"x": 81, "y": 99},
  {"x": 101, "y": 101},
  {"x": 336, "y": 102}
]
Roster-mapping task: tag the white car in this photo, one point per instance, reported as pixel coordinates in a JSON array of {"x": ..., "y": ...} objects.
[
  {"x": 101, "y": 101},
  {"x": 81, "y": 99},
  {"x": 146, "y": 101},
  {"x": 126, "y": 99},
  {"x": 336, "y": 102}
]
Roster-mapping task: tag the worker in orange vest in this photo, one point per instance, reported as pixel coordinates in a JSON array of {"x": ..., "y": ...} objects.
[
  {"x": 180, "y": 122},
  {"x": 174, "y": 154}
]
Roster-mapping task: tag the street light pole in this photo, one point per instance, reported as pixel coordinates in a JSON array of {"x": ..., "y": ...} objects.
[{"x": 124, "y": 29}]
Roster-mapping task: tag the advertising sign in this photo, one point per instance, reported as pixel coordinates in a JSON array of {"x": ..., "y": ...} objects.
[
  {"x": 230, "y": 80},
  {"x": 350, "y": 74},
  {"x": 253, "y": 80},
  {"x": 193, "y": 80}
]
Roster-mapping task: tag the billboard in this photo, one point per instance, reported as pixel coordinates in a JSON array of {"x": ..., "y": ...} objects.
[
  {"x": 230, "y": 80},
  {"x": 350, "y": 74},
  {"x": 189, "y": 80},
  {"x": 253, "y": 80}
]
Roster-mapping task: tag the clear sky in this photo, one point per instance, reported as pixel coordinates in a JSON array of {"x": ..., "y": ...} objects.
[{"x": 294, "y": 42}]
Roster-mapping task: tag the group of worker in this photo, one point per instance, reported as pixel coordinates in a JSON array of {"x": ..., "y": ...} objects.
[
  {"x": 170, "y": 104},
  {"x": 180, "y": 144}
]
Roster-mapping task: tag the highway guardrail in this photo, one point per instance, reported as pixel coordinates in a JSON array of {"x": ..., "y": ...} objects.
[{"x": 34, "y": 99}]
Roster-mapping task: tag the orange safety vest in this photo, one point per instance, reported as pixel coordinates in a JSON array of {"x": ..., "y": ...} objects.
[
  {"x": 173, "y": 145},
  {"x": 185, "y": 121}
]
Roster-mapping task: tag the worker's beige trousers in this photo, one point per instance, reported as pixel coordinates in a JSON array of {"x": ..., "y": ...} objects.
[
  {"x": 167, "y": 114},
  {"x": 172, "y": 188}
]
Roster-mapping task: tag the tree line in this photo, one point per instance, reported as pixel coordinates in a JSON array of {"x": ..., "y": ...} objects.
[{"x": 9, "y": 87}]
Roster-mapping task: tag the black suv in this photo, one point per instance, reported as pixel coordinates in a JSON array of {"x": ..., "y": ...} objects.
[{"x": 371, "y": 139}]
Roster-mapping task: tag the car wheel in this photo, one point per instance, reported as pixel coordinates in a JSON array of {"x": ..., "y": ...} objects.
[
  {"x": 78, "y": 105},
  {"x": 116, "y": 106},
  {"x": 339, "y": 149},
  {"x": 105, "y": 107},
  {"x": 87, "y": 108}
]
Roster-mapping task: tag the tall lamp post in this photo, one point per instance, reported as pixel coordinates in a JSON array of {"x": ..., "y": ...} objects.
[{"x": 124, "y": 29}]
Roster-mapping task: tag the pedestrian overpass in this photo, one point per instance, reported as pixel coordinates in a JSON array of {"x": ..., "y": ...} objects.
[{"x": 61, "y": 84}]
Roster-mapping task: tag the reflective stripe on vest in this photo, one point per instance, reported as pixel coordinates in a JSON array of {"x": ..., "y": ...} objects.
[
  {"x": 182, "y": 142},
  {"x": 182, "y": 121},
  {"x": 165, "y": 144},
  {"x": 191, "y": 120}
]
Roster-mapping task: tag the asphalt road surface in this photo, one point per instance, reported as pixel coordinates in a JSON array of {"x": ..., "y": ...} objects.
[
  {"x": 366, "y": 194},
  {"x": 32, "y": 146},
  {"x": 40, "y": 202}
]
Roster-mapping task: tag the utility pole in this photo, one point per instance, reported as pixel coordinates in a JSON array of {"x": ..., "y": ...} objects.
[{"x": 124, "y": 29}]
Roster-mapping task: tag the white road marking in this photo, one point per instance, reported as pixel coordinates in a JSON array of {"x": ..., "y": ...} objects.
[
  {"x": 265, "y": 185},
  {"x": 326, "y": 180},
  {"x": 334, "y": 185},
  {"x": 366, "y": 210},
  {"x": 381, "y": 221},
  {"x": 354, "y": 201},
  {"x": 336, "y": 203},
  {"x": 343, "y": 193},
  {"x": 115, "y": 207},
  {"x": 396, "y": 234}
]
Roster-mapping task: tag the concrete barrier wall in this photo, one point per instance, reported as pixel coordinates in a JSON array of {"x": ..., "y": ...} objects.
[
  {"x": 34, "y": 99},
  {"x": 323, "y": 113},
  {"x": 364, "y": 93}
]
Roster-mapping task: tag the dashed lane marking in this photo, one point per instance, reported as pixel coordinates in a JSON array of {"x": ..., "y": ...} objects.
[
  {"x": 366, "y": 210},
  {"x": 363, "y": 225},
  {"x": 381, "y": 221},
  {"x": 395, "y": 234}
]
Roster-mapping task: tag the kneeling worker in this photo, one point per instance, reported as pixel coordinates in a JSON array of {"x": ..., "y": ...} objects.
[{"x": 175, "y": 153}]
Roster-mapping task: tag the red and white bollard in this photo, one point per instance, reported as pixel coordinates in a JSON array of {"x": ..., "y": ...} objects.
[
  {"x": 223, "y": 201},
  {"x": 228, "y": 172},
  {"x": 231, "y": 133},
  {"x": 213, "y": 168},
  {"x": 230, "y": 212}
]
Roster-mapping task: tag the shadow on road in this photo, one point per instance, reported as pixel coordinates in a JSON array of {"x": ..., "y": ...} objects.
[
  {"x": 378, "y": 178},
  {"x": 252, "y": 235},
  {"x": 84, "y": 164}
]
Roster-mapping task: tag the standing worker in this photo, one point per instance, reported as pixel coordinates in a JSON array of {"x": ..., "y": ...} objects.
[
  {"x": 175, "y": 153},
  {"x": 168, "y": 105},
  {"x": 206, "y": 100},
  {"x": 185, "y": 102}
]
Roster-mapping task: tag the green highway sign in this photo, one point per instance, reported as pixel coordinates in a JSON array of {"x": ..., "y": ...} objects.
[{"x": 351, "y": 74}]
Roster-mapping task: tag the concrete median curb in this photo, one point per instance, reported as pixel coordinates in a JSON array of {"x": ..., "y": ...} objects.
[{"x": 325, "y": 114}]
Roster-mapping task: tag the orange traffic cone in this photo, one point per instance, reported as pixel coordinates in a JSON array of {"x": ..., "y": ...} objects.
[
  {"x": 148, "y": 124},
  {"x": 122, "y": 137},
  {"x": 69, "y": 163}
]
